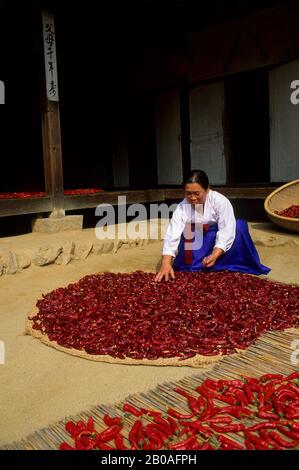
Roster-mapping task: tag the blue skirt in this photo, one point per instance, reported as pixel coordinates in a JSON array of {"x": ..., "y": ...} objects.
[{"x": 241, "y": 257}]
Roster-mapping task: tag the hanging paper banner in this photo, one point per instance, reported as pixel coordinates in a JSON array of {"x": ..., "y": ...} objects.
[{"x": 50, "y": 56}]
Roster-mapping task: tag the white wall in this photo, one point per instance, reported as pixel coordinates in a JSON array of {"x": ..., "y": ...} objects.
[
  {"x": 284, "y": 123},
  {"x": 207, "y": 147}
]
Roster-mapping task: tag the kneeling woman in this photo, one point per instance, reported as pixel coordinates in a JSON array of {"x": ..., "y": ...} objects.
[{"x": 221, "y": 243}]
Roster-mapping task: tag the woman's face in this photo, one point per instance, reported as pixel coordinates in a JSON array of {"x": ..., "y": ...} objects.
[{"x": 195, "y": 193}]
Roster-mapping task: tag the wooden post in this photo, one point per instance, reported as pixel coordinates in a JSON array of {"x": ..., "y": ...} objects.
[{"x": 51, "y": 120}]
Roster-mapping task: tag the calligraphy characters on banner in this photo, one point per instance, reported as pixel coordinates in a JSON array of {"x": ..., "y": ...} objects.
[{"x": 50, "y": 57}]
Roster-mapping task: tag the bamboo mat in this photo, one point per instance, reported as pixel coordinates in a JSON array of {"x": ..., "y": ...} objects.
[{"x": 270, "y": 354}]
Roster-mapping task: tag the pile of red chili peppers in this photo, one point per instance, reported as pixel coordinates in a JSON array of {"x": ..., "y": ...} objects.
[
  {"x": 262, "y": 413},
  {"x": 132, "y": 316},
  {"x": 30, "y": 194},
  {"x": 292, "y": 211}
]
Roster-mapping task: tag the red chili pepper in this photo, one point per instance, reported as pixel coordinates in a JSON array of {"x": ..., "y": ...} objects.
[
  {"x": 206, "y": 446},
  {"x": 236, "y": 411},
  {"x": 201, "y": 403},
  {"x": 212, "y": 384},
  {"x": 252, "y": 381},
  {"x": 134, "y": 435},
  {"x": 102, "y": 446},
  {"x": 76, "y": 430},
  {"x": 282, "y": 442},
  {"x": 265, "y": 425},
  {"x": 198, "y": 426},
  {"x": 249, "y": 445},
  {"x": 287, "y": 395},
  {"x": 205, "y": 392},
  {"x": 150, "y": 412},
  {"x": 265, "y": 436},
  {"x": 155, "y": 439},
  {"x": 177, "y": 415},
  {"x": 229, "y": 428},
  {"x": 153, "y": 429},
  {"x": 72, "y": 429},
  {"x": 266, "y": 408},
  {"x": 111, "y": 421},
  {"x": 184, "y": 445},
  {"x": 85, "y": 443},
  {"x": 277, "y": 407},
  {"x": 257, "y": 441},
  {"x": 294, "y": 406},
  {"x": 291, "y": 434},
  {"x": 220, "y": 419},
  {"x": 165, "y": 424},
  {"x": 90, "y": 424},
  {"x": 119, "y": 442},
  {"x": 174, "y": 425},
  {"x": 166, "y": 432},
  {"x": 267, "y": 415},
  {"x": 266, "y": 377},
  {"x": 292, "y": 376},
  {"x": 109, "y": 433},
  {"x": 249, "y": 394},
  {"x": 294, "y": 388},
  {"x": 182, "y": 392},
  {"x": 210, "y": 411},
  {"x": 241, "y": 398},
  {"x": 261, "y": 400},
  {"x": 132, "y": 410},
  {"x": 230, "y": 400},
  {"x": 231, "y": 383},
  {"x": 66, "y": 446},
  {"x": 292, "y": 414},
  {"x": 229, "y": 444}
]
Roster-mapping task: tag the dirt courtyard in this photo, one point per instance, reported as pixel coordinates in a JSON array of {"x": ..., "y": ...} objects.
[{"x": 39, "y": 385}]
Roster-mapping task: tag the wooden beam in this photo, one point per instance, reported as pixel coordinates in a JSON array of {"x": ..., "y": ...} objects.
[
  {"x": 37, "y": 205},
  {"x": 51, "y": 121}
]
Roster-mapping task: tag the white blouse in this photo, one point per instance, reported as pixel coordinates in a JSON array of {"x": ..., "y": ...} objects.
[{"x": 217, "y": 210}]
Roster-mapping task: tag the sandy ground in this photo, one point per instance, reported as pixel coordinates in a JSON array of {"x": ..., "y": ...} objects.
[{"x": 39, "y": 385}]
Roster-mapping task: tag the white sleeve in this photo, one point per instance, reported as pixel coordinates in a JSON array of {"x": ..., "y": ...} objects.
[
  {"x": 226, "y": 225},
  {"x": 173, "y": 233}
]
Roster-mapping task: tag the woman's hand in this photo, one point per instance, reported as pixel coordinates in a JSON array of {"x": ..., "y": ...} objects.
[
  {"x": 210, "y": 260},
  {"x": 166, "y": 269}
]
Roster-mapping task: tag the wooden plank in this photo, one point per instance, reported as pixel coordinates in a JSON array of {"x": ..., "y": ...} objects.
[
  {"x": 111, "y": 197},
  {"x": 9, "y": 207}
]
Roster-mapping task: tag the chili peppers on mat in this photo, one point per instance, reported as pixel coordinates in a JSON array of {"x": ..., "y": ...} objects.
[
  {"x": 267, "y": 420},
  {"x": 32, "y": 194},
  {"x": 130, "y": 316}
]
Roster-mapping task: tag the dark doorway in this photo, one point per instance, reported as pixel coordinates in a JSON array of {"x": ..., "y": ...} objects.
[
  {"x": 247, "y": 104},
  {"x": 142, "y": 144}
]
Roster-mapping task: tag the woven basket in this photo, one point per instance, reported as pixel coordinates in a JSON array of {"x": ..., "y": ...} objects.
[{"x": 282, "y": 198}]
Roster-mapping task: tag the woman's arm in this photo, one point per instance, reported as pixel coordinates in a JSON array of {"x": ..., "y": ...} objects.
[
  {"x": 226, "y": 226},
  {"x": 226, "y": 232},
  {"x": 171, "y": 241},
  {"x": 210, "y": 260}
]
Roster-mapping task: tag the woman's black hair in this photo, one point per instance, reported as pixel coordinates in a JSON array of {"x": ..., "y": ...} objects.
[{"x": 199, "y": 177}]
